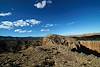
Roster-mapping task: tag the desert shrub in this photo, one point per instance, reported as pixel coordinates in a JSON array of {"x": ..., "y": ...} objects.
[{"x": 7, "y": 45}]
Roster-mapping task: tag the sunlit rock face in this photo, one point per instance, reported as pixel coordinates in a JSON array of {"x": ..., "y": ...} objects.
[
  {"x": 59, "y": 40},
  {"x": 72, "y": 43},
  {"x": 93, "y": 45}
]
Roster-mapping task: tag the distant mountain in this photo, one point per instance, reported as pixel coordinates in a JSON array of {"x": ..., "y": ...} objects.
[
  {"x": 19, "y": 38},
  {"x": 91, "y": 36}
]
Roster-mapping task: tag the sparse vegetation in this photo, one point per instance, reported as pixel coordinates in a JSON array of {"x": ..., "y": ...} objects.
[{"x": 52, "y": 51}]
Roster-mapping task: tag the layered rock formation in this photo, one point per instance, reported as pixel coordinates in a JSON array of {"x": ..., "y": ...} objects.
[
  {"x": 52, "y": 40},
  {"x": 93, "y": 45},
  {"x": 51, "y": 51},
  {"x": 72, "y": 43},
  {"x": 59, "y": 40}
]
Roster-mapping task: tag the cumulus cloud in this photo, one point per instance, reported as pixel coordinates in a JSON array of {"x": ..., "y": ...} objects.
[
  {"x": 21, "y": 23},
  {"x": 42, "y": 4},
  {"x": 18, "y": 23},
  {"x": 5, "y": 14},
  {"x": 46, "y": 27},
  {"x": 33, "y": 21},
  {"x": 23, "y": 31},
  {"x": 6, "y": 25},
  {"x": 45, "y": 30}
]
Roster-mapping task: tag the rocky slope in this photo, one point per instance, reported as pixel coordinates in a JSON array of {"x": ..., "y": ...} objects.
[
  {"x": 72, "y": 42},
  {"x": 51, "y": 51}
]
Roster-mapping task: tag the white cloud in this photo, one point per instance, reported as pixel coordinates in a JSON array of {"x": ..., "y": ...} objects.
[
  {"x": 20, "y": 31},
  {"x": 33, "y": 21},
  {"x": 48, "y": 25},
  {"x": 42, "y": 4},
  {"x": 6, "y": 25},
  {"x": 18, "y": 23},
  {"x": 23, "y": 31},
  {"x": 45, "y": 30},
  {"x": 5, "y": 14},
  {"x": 29, "y": 31}
]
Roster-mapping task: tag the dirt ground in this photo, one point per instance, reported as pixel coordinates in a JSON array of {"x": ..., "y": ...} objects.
[{"x": 48, "y": 56}]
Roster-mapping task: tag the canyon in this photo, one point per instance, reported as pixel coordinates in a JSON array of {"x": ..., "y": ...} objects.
[{"x": 50, "y": 51}]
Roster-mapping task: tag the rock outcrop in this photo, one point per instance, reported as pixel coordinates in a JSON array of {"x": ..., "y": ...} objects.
[
  {"x": 52, "y": 40},
  {"x": 59, "y": 40},
  {"x": 51, "y": 51},
  {"x": 72, "y": 43},
  {"x": 93, "y": 45}
]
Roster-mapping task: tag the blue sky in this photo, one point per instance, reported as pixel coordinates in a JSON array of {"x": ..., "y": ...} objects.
[{"x": 42, "y": 17}]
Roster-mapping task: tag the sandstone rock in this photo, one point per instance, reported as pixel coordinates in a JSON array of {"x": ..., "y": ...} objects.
[
  {"x": 59, "y": 40},
  {"x": 93, "y": 45}
]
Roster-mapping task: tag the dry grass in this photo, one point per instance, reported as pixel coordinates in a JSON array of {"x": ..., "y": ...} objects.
[{"x": 48, "y": 56}]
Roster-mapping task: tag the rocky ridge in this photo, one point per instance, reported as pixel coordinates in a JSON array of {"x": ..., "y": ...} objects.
[{"x": 52, "y": 51}]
